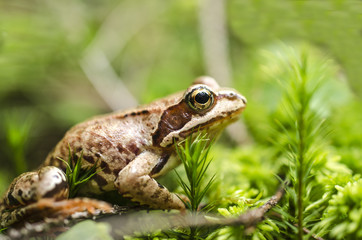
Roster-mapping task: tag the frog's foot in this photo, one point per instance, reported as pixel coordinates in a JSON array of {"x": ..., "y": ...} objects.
[
  {"x": 29, "y": 187},
  {"x": 49, "y": 208}
]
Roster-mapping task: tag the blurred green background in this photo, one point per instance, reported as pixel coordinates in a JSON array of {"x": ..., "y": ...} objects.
[{"x": 62, "y": 62}]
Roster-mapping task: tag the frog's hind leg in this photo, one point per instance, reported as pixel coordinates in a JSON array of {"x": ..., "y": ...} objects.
[
  {"x": 29, "y": 187},
  {"x": 54, "y": 211},
  {"x": 34, "y": 196}
]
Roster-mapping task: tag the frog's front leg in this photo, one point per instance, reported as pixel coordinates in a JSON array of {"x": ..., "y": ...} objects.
[{"x": 136, "y": 182}]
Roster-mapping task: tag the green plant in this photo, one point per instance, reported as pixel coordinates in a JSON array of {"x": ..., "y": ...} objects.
[
  {"x": 301, "y": 135},
  {"x": 17, "y": 131},
  {"x": 76, "y": 175},
  {"x": 302, "y": 145},
  {"x": 193, "y": 154}
]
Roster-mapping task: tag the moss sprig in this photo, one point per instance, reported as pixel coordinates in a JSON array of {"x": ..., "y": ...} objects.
[
  {"x": 194, "y": 155},
  {"x": 303, "y": 131},
  {"x": 75, "y": 174}
]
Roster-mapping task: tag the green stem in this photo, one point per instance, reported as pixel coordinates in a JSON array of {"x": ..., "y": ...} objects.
[
  {"x": 192, "y": 233},
  {"x": 301, "y": 154},
  {"x": 19, "y": 160},
  {"x": 300, "y": 181}
]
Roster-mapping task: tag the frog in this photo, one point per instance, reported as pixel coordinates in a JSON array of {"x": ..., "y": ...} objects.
[{"x": 131, "y": 148}]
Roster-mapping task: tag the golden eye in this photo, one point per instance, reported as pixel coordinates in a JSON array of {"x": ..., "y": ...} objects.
[{"x": 200, "y": 99}]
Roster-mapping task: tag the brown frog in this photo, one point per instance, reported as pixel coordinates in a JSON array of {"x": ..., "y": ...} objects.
[{"x": 131, "y": 148}]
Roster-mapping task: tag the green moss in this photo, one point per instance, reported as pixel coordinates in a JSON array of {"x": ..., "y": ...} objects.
[{"x": 343, "y": 216}]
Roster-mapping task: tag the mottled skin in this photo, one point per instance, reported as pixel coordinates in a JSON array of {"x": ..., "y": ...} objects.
[{"x": 132, "y": 147}]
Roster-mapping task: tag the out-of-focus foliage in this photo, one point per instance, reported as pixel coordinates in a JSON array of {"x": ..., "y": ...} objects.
[
  {"x": 257, "y": 170},
  {"x": 17, "y": 133},
  {"x": 156, "y": 49},
  {"x": 88, "y": 230},
  {"x": 333, "y": 25}
]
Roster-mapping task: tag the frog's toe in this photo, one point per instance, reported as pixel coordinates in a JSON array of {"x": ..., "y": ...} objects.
[{"x": 52, "y": 183}]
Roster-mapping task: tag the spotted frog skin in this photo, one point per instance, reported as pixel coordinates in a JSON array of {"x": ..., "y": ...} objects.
[{"x": 131, "y": 148}]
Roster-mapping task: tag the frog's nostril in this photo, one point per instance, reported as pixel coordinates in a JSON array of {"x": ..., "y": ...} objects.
[{"x": 244, "y": 100}]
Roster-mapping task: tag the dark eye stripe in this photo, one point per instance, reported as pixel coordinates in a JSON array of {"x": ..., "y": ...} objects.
[{"x": 172, "y": 119}]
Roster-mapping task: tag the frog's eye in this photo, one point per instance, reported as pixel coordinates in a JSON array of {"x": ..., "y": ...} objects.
[{"x": 200, "y": 99}]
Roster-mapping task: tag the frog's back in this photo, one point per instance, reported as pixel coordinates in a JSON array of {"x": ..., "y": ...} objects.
[{"x": 111, "y": 141}]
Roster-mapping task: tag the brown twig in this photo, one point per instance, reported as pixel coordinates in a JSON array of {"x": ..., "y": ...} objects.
[
  {"x": 145, "y": 222},
  {"x": 150, "y": 222},
  {"x": 307, "y": 231}
]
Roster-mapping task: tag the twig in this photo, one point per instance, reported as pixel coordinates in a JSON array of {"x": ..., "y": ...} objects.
[
  {"x": 144, "y": 222},
  {"x": 307, "y": 231},
  {"x": 150, "y": 222}
]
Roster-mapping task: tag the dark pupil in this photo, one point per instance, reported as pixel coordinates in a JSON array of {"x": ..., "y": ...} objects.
[{"x": 202, "y": 97}]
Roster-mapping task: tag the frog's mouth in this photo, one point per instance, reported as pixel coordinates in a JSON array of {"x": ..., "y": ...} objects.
[{"x": 216, "y": 124}]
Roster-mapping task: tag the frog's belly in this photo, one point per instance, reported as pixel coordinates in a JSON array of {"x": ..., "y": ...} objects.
[{"x": 98, "y": 184}]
